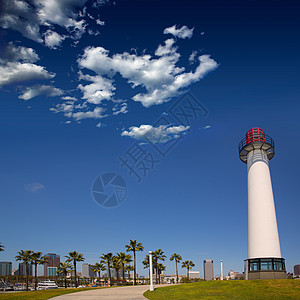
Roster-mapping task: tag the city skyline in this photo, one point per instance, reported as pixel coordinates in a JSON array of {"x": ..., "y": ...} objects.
[{"x": 81, "y": 82}]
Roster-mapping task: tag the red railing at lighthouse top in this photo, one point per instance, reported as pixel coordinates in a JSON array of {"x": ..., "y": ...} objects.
[
  {"x": 255, "y": 135},
  {"x": 256, "y": 138}
]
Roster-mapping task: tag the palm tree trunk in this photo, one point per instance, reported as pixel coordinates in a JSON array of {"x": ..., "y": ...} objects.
[
  {"x": 26, "y": 273},
  {"x": 156, "y": 270},
  {"x": 35, "y": 275},
  {"x": 65, "y": 279},
  {"x": 117, "y": 271},
  {"x": 99, "y": 277},
  {"x": 176, "y": 272},
  {"x": 75, "y": 273},
  {"x": 159, "y": 277},
  {"x": 123, "y": 273},
  {"x": 187, "y": 273},
  {"x": 109, "y": 275},
  {"x": 134, "y": 279}
]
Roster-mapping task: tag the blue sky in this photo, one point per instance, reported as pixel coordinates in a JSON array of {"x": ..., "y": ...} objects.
[{"x": 81, "y": 81}]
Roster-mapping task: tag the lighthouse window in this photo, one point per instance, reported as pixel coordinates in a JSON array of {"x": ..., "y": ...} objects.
[
  {"x": 278, "y": 265},
  {"x": 254, "y": 264},
  {"x": 266, "y": 264}
]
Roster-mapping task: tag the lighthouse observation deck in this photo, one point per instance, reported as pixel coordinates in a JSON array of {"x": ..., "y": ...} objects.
[{"x": 256, "y": 139}]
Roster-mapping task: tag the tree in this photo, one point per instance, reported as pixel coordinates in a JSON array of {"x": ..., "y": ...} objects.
[
  {"x": 188, "y": 264},
  {"x": 116, "y": 264},
  {"x": 158, "y": 254},
  {"x": 1, "y": 247},
  {"x": 63, "y": 269},
  {"x": 74, "y": 257},
  {"x": 134, "y": 246},
  {"x": 145, "y": 262},
  {"x": 97, "y": 268},
  {"x": 128, "y": 269},
  {"x": 160, "y": 268},
  {"x": 107, "y": 259},
  {"x": 124, "y": 259},
  {"x": 25, "y": 256},
  {"x": 37, "y": 259},
  {"x": 177, "y": 259}
]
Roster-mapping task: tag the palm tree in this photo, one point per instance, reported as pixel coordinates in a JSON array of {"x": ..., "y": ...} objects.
[
  {"x": 160, "y": 268},
  {"x": 145, "y": 262},
  {"x": 124, "y": 259},
  {"x": 1, "y": 247},
  {"x": 177, "y": 259},
  {"x": 74, "y": 257},
  {"x": 98, "y": 267},
  {"x": 25, "y": 256},
  {"x": 107, "y": 259},
  {"x": 129, "y": 268},
  {"x": 63, "y": 269},
  {"x": 188, "y": 264},
  {"x": 134, "y": 246},
  {"x": 116, "y": 264},
  {"x": 158, "y": 255},
  {"x": 37, "y": 259}
]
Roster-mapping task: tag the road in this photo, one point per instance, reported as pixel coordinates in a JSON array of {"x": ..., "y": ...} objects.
[{"x": 115, "y": 293}]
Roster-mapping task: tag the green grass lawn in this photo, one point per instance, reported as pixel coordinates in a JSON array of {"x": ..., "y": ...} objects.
[
  {"x": 40, "y": 295},
  {"x": 235, "y": 289}
]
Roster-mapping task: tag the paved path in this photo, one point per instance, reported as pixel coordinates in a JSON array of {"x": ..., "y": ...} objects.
[{"x": 117, "y": 293}]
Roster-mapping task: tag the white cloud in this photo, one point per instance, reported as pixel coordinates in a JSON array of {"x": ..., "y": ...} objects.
[
  {"x": 99, "y": 22},
  {"x": 166, "y": 49},
  {"x": 14, "y": 72},
  {"x": 53, "y": 39},
  {"x": 193, "y": 56},
  {"x": 97, "y": 113},
  {"x": 155, "y": 135},
  {"x": 32, "y": 20},
  {"x": 14, "y": 53},
  {"x": 179, "y": 82},
  {"x": 20, "y": 16},
  {"x": 161, "y": 77},
  {"x": 206, "y": 127},
  {"x": 183, "y": 32},
  {"x": 122, "y": 109},
  {"x": 100, "y": 89},
  {"x": 69, "y": 98},
  {"x": 37, "y": 90},
  {"x": 99, "y": 125},
  {"x": 17, "y": 66},
  {"x": 34, "y": 187}
]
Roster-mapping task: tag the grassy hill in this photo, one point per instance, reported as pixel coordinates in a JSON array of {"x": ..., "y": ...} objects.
[{"x": 235, "y": 289}]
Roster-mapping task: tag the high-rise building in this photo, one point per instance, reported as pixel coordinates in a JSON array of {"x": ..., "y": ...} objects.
[
  {"x": 22, "y": 269},
  {"x": 87, "y": 270},
  {"x": 264, "y": 255},
  {"x": 52, "y": 264},
  {"x": 297, "y": 270},
  {"x": 5, "y": 268},
  {"x": 208, "y": 266}
]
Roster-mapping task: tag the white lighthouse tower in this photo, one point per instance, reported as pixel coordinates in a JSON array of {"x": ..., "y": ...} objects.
[{"x": 264, "y": 255}]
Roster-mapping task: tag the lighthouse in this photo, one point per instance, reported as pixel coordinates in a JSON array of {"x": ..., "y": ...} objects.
[{"x": 264, "y": 255}]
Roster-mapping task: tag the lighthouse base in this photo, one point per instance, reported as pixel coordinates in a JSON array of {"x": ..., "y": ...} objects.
[{"x": 265, "y": 268}]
